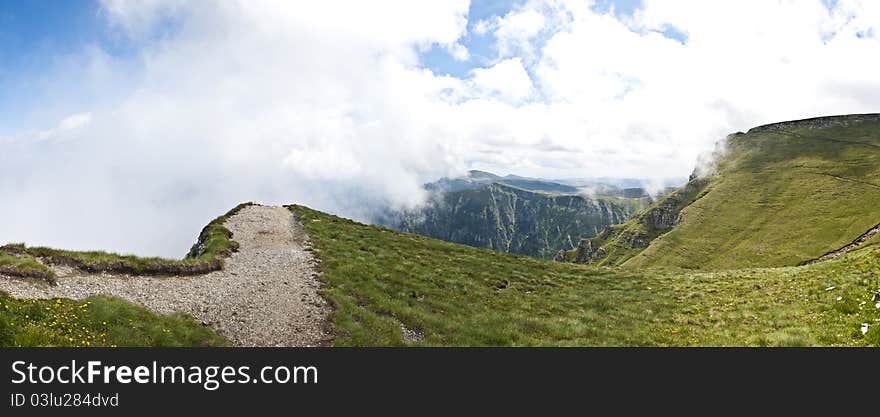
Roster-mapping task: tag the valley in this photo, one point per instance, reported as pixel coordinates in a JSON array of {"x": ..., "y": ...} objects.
[{"x": 520, "y": 215}]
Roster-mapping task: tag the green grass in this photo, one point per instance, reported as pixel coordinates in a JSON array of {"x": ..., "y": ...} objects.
[
  {"x": 455, "y": 295},
  {"x": 95, "y": 321},
  {"x": 779, "y": 198},
  {"x": 215, "y": 240},
  {"x": 872, "y": 241},
  {"x": 214, "y": 243},
  {"x": 24, "y": 265}
]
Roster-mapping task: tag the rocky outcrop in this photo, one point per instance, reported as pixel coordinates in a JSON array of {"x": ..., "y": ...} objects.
[
  {"x": 637, "y": 239},
  {"x": 666, "y": 214},
  {"x": 586, "y": 252},
  {"x": 560, "y": 256}
]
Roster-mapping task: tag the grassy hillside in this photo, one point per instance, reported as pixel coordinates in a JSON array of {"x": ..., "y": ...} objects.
[
  {"x": 392, "y": 288},
  {"x": 511, "y": 219},
  {"x": 782, "y": 194},
  {"x": 95, "y": 321},
  {"x": 779, "y": 195}
]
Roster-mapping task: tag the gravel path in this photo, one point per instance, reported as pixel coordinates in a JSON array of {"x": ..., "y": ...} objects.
[{"x": 267, "y": 294}]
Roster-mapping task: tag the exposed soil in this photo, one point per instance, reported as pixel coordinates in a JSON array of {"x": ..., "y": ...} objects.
[{"x": 266, "y": 295}]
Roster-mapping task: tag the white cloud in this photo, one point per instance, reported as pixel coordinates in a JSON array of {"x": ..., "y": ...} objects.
[
  {"x": 516, "y": 30},
  {"x": 66, "y": 127},
  {"x": 301, "y": 102},
  {"x": 482, "y": 27},
  {"x": 507, "y": 79},
  {"x": 459, "y": 52},
  {"x": 75, "y": 121}
]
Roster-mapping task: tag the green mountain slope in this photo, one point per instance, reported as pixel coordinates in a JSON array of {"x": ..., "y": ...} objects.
[
  {"x": 392, "y": 288},
  {"x": 511, "y": 219},
  {"x": 781, "y": 195},
  {"x": 618, "y": 243}
]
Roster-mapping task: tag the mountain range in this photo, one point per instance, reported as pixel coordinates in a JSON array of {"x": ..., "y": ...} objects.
[{"x": 515, "y": 214}]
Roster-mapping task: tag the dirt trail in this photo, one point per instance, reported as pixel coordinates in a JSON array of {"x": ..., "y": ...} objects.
[{"x": 266, "y": 295}]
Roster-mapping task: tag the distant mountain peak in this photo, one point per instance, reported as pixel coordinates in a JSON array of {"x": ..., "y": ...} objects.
[{"x": 477, "y": 174}]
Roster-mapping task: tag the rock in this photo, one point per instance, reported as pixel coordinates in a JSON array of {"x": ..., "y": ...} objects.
[
  {"x": 560, "y": 256},
  {"x": 637, "y": 240},
  {"x": 584, "y": 251},
  {"x": 587, "y": 252},
  {"x": 667, "y": 214},
  {"x": 663, "y": 217}
]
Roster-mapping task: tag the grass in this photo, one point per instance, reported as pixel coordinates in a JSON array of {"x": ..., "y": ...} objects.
[
  {"x": 24, "y": 265},
  {"x": 779, "y": 198},
  {"x": 380, "y": 280},
  {"x": 95, "y": 321},
  {"x": 214, "y": 243},
  {"x": 215, "y": 240}
]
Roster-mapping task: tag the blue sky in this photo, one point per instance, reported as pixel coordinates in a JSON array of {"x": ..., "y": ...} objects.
[
  {"x": 33, "y": 36},
  {"x": 32, "y": 30},
  {"x": 40, "y": 38}
]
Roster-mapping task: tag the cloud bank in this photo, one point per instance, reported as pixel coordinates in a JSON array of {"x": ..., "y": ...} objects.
[{"x": 328, "y": 104}]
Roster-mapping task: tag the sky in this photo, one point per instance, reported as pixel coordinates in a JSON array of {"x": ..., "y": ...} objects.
[{"x": 127, "y": 125}]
